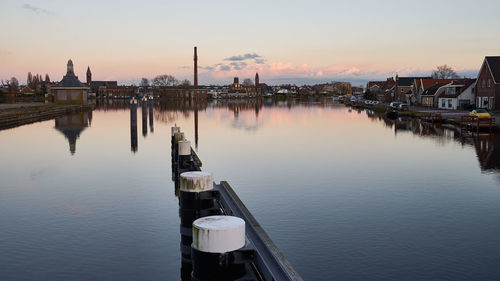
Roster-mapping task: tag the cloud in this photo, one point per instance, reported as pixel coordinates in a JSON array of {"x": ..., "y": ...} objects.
[
  {"x": 209, "y": 68},
  {"x": 243, "y": 57},
  {"x": 5, "y": 52},
  {"x": 37, "y": 10}
]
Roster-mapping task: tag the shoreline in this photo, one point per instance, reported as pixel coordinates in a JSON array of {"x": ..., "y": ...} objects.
[
  {"x": 422, "y": 114},
  {"x": 15, "y": 115}
]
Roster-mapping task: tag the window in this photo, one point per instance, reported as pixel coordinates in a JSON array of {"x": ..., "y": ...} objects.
[
  {"x": 450, "y": 103},
  {"x": 482, "y": 83},
  {"x": 402, "y": 90},
  {"x": 443, "y": 103},
  {"x": 489, "y": 82}
]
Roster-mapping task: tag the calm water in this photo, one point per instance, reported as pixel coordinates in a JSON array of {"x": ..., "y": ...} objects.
[{"x": 344, "y": 194}]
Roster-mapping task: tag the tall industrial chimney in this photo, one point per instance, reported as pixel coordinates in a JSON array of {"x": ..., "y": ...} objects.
[{"x": 195, "y": 82}]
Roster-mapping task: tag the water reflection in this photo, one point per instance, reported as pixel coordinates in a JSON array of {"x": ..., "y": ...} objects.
[
  {"x": 430, "y": 196},
  {"x": 71, "y": 126},
  {"x": 487, "y": 145},
  {"x": 151, "y": 122},
  {"x": 133, "y": 126},
  {"x": 144, "y": 119}
]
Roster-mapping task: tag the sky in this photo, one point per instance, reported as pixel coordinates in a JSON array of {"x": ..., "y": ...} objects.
[{"x": 285, "y": 41}]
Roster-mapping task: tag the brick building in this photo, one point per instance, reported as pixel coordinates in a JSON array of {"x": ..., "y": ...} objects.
[{"x": 488, "y": 84}]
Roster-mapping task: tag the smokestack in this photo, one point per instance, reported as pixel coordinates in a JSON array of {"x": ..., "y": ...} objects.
[{"x": 195, "y": 82}]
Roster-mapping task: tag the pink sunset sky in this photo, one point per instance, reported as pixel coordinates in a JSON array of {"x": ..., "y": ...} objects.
[{"x": 285, "y": 41}]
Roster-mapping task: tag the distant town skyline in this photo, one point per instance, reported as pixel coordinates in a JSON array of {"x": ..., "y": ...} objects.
[{"x": 285, "y": 41}]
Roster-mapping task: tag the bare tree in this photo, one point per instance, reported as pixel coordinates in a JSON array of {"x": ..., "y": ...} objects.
[
  {"x": 144, "y": 82},
  {"x": 247, "y": 82},
  {"x": 165, "y": 80},
  {"x": 29, "y": 80},
  {"x": 47, "y": 78},
  {"x": 13, "y": 85},
  {"x": 444, "y": 72},
  {"x": 185, "y": 83}
]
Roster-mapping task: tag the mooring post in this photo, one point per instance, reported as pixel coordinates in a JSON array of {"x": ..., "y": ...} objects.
[
  {"x": 173, "y": 129},
  {"x": 178, "y": 136},
  {"x": 133, "y": 125},
  {"x": 196, "y": 199},
  {"x": 184, "y": 160},
  {"x": 216, "y": 241}
]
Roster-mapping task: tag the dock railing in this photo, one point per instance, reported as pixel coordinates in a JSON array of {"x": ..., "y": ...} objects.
[{"x": 473, "y": 122}]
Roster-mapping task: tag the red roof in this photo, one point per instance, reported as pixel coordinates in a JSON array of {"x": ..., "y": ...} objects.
[{"x": 426, "y": 83}]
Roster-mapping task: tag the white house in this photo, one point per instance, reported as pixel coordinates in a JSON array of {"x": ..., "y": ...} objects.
[{"x": 457, "y": 95}]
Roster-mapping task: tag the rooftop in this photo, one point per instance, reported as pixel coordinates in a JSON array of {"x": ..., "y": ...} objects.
[{"x": 494, "y": 64}]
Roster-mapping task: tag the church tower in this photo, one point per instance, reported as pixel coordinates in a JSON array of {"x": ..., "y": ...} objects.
[
  {"x": 256, "y": 79},
  {"x": 89, "y": 76},
  {"x": 69, "y": 70}
]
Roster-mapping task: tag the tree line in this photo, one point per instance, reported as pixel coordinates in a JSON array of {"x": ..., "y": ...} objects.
[
  {"x": 36, "y": 82},
  {"x": 164, "y": 80}
]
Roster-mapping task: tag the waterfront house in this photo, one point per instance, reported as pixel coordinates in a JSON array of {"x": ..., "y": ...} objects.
[
  {"x": 380, "y": 88},
  {"x": 431, "y": 94},
  {"x": 27, "y": 91},
  {"x": 403, "y": 89},
  {"x": 421, "y": 84},
  {"x": 357, "y": 91},
  {"x": 488, "y": 84},
  {"x": 457, "y": 95},
  {"x": 70, "y": 90}
]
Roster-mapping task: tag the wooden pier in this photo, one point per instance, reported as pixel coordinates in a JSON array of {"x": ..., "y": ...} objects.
[{"x": 475, "y": 123}]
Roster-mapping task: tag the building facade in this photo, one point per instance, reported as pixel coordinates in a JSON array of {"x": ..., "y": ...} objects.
[
  {"x": 70, "y": 90},
  {"x": 458, "y": 95},
  {"x": 488, "y": 84}
]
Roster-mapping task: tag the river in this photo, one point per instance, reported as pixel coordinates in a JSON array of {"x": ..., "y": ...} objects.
[{"x": 344, "y": 194}]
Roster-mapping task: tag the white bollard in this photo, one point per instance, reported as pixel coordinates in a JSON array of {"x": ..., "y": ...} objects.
[
  {"x": 196, "y": 182},
  {"x": 184, "y": 148},
  {"x": 175, "y": 129},
  {"x": 178, "y": 136},
  {"x": 218, "y": 234}
]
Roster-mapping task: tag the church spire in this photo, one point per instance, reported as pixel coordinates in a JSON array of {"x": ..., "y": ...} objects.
[{"x": 89, "y": 76}]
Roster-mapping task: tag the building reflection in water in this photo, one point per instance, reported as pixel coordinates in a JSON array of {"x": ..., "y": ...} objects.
[
  {"x": 133, "y": 126},
  {"x": 488, "y": 152},
  {"x": 486, "y": 145},
  {"x": 71, "y": 126}
]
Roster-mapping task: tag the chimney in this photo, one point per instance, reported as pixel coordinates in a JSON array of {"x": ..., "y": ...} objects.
[{"x": 195, "y": 80}]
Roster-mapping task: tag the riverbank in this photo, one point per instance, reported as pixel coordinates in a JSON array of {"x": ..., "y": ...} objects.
[
  {"x": 18, "y": 114},
  {"x": 448, "y": 116}
]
